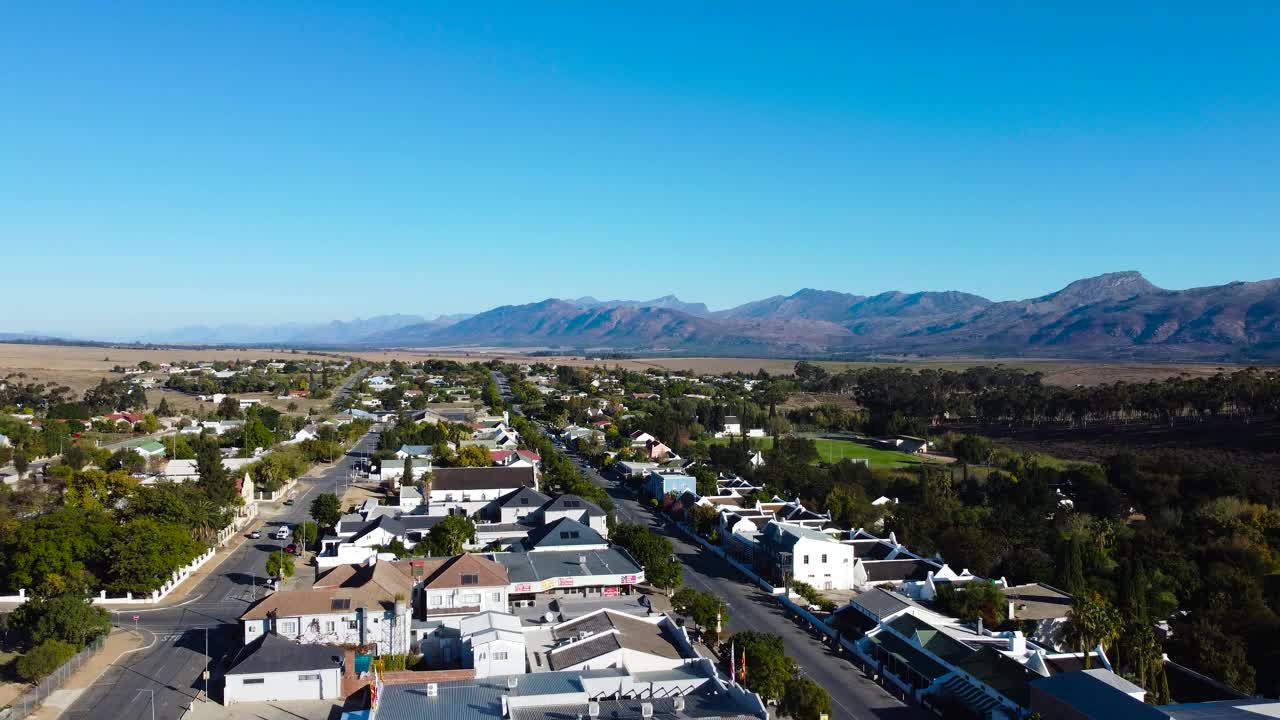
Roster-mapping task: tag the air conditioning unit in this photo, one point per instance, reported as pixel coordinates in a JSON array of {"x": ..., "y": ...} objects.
[
  {"x": 646, "y": 710},
  {"x": 678, "y": 704},
  {"x": 433, "y": 690},
  {"x": 593, "y": 709},
  {"x": 512, "y": 682}
]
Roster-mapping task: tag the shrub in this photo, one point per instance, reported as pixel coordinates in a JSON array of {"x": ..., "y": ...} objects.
[{"x": 44, "y": 659}]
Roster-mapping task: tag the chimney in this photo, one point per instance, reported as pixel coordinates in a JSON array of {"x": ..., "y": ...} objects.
[
  {"x": 1012, "y": 609},
  {"x": 979, "y": 624},
  {"x": 506, "y": 710}
]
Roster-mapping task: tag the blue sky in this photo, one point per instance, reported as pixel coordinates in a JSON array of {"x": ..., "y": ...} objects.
[{"x": 269, "y": 161}]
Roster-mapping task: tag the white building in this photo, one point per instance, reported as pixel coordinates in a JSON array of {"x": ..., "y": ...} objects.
[
  {"x": 610, "y": 639},
  {"x": 272, "y": 669},
  {"x": 492, "y": 643},
  {"x": 467, "y": 491},
  {"x": 809, "y": 555}
]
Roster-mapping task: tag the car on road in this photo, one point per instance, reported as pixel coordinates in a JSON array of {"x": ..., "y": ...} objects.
[
  {"x": 288, "y": 501},
  {"x": 292, "y": 549},
  {"x": 255, "y": 535},
  {"x": 282, "y": 533}
]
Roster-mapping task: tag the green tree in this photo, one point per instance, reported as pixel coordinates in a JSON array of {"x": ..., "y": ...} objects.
[
  {"x": 214, "y": 479},
  {"x": 768, "y": 667},
  {"x": 229, "y": 408},
  {"x": 448, "y": 536},
  {"x": 67, "y": 617},
  {"x": 59, "y": 550},
  {"x": 306, "y": 534},
  {"x": 474, "y": 456},
  {"x": 973, "y": 449},
  {"x": 1218, "y": 654},
  {"x": 126, "y": 459},
  {"x": 326, "y": 509},
  {"x": 406, "y": 476},
  {"x": 256, "y": 435},
  {"x": 21, "y": 463},
  {"x": 979, "y": 598},
  {"x": 163, "y": 410},
  {"x": 75, "y": 456},
  {"x": 804, "y": 699},
  {"x": 150, "y": 423},
  {"x": 1092, "y": 621},
  {"x": 43, "y": 659},
  {"x": 279, "y": 565},
  {"x": 1071, "y": 566},
  {"x": 146, "y": 552},
  {"x": 706, "y": 610}
]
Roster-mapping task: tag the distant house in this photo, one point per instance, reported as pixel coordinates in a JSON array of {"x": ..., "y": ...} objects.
[
  {"x": 610, "y": 639},
  {"x": 660, "y": 484},
  {"x": 732, "y": 426},
  {"x": 413, "y": 451},
  {"x": 467, "y": 491},
  {"x": 492, "y": 644},
  {"x": 147, "y": 448},
  {"x": 808, "y": 555}
]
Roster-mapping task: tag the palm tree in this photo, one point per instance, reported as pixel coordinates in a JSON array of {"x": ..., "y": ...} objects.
[{"x": 1092, "y": 622}]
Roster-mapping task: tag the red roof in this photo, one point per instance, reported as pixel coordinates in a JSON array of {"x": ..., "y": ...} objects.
[
  {"x": 500, "y": 455},
  {"x": 529, "y": 455},
  {"x": 131, "y": 417}
]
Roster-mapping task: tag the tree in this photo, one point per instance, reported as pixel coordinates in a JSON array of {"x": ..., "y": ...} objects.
[
  {"x": 474, "y": 456},
  {"x": 43, "y": 659},
  {"x": 1092, "y": 621},
  {"x": 706, "y": 480},
  {"x": 59, "y": 550},
  {"x": 804, "y": 699},
  {"x": 75, "y": 456},
  {"x": 279, "y": 565},
  {"x": 256, "y": 435},
  {"x": 1219, "y": 655},
  {"x": 163, "y": 410},
  {"x": 21, "y": 462},
  {"x": 768, "y": 669},
  {"x": 979, "y": 598},
  {"x": 1071, "y": 566},
  {"x": 450, "y": 535},
  {"x": 150, "y": 423},
  {"x": 406, "y": 478},
  {"x": 128, "y": 460},
  {"x": 973, "y": 449},
  {"x": 214, "y": 479},
  {"x": 326, "y": 509},
  {"x": 146, "y": 552},
  {"x": 306, "y": 534},
  {"x": 666, "y": 575},
  {"x": 706, "y": 610},
  {"x": 67, "y": 617},
  {"x": 229, "y": 408}
]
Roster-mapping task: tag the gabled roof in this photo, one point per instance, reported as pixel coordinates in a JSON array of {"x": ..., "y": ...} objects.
[
  {"x": 565, "y": 532},
  {"x": 570, "y": 502},
  {"x": 482, "y": 478},
  {"x": 786, "y": 535},
  {"x": 609, "y": 631},
  {"x": 363, "y": 586},
  {"x": 272, "y": 653},
  {"x": 523, "y": 497},
  {"x": 450, "y": 573},
  {"x": 384, "y": 522},
  {"x": 930, "y": 638},
  {"x": 900, "y": 570},
  {"x": 1098, "y": 694},
  {"x": 1003, "y": 674},
  {"x": 880, "y": 603}
]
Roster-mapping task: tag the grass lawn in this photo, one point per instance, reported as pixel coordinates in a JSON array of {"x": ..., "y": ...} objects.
[{"x": 831, "y": 451}]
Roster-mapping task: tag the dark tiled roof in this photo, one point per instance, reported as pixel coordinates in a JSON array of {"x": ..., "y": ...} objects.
[
  {"x": 1004, "y": 675},
  {"x": 1096, "y": 694},
  {"x": 574, "y": 502},
  {"x": 524, "y": 497},
  {"x": 883, "y": 570},
  {"x": 272, "y": 653},
  {"x": 610, "y": 631},
  {"x": 564, "y": 532},
  {"x": 879, "y": 603},
  {"x": 871, "y": 549},
  {"x": 482, "y": 478}
]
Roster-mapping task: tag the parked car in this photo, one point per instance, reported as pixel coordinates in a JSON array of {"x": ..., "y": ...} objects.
[
  {"x": 288, "y": 501},
  {"x": 292, "y": 549},
  {"x": 255, "y": 535}
]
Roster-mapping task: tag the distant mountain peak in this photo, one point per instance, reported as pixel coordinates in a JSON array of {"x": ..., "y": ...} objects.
[{"x": 1105, "y": 287}]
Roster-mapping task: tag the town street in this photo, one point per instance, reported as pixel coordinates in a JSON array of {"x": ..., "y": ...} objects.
[
  {"x": 853, "y": 695},
  {"x": 173, "y": 665}
]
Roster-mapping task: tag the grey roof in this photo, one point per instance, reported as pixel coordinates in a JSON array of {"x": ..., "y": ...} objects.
[
  {"x": 1248, "y": 709},
  {"x": 871, "y": 549},
  {"x": 419, "y": 522},
  {"x": 574, "y": 502},
  {"x": 563, "y": 532},
  {"x": 524, "y": 497},
  {"x": 879, "y": 603},
  {"x": 535, "y": 566},
  {"x": 272, "y": 653},
  {"x": 784, "y": 535},
  {"x": 1096, "y": 694},
  {"x": 482, "y": 478},
  {"x": 410, "y": 492},
  {"x": 913, "y": 569},
  {"x": 386, "y": 522},
  {"x": 415, "y": 449},
  {"x": 696, "y": 705}
]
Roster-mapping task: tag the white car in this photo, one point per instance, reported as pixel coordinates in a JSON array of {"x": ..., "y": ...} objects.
[{"x": 282, "y": 533}]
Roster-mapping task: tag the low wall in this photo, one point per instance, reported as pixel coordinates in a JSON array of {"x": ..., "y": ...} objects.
[
  {"x": 806, "y": 615},
  {"x": 410, "y": 677}
]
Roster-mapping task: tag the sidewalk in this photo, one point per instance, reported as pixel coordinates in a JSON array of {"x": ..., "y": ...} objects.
[
  {"x": 181, "y": 592},
  {"x": 118, "y": 643}
]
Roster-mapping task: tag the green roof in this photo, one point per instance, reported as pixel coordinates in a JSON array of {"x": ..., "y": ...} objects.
[
  {"x": 930, "y": 638},
  {"x": 909, "y": 654},
  {"x": 150, "y": 446}
]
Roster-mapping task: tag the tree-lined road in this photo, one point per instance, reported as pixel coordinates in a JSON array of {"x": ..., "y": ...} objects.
[{"x": 173, "y": 665}]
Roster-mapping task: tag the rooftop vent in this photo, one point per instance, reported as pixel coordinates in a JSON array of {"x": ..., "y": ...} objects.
[
  {"x": 433, "y": 689},
  {"x": 646, "y": 710}
]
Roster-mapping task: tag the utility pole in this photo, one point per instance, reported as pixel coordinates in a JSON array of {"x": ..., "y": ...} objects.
[{"x": 206, "y": 663}]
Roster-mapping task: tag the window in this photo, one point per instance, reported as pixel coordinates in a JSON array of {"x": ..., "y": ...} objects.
[
  {"x": 572, "y": 503},
  {"x": 253, "y": 681},
  {"x": 352, "y": 625},
  {"x": 471, "y": 598},
  {"x": 470, "y": 579},
  {"x": 340, "y": 604},
  {"x": 435, "y": 601},
  {"x": 481, "y": 656},
  {"x": 330, "y": 626},
  {"x": 308, "y": 676},
  {"x": 499, "y": 656},
  {"x": 806, "y": 560},
  {"x": 288, "y": 627},
  {"x": 524, "y": 501},
  {"x": 497, "y": 597},
  {"x": 824, "y": 558},
  {"x": 569, "y": 535}
]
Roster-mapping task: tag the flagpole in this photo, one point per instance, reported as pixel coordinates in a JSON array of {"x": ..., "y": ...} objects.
[{"x": 733, "y": 671}]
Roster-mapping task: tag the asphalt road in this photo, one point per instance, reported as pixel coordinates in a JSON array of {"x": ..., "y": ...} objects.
[
  {"x": 853, "y": 695},
  {"x": 173, "y": 665}
]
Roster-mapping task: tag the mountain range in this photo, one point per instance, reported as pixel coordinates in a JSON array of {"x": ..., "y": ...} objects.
[{"x": 1113, "y": 316}]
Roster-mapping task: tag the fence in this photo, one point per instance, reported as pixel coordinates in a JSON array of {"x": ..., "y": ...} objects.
[{"x": 33, "y": 698}]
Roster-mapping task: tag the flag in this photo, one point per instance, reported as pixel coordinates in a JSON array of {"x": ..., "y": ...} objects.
[
  {"x": 742, "y": 668},
  {"x": 733, "y": 671}
]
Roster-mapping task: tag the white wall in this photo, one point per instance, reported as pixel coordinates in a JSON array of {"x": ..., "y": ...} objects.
[
  {"x": 837, "y": 570},
  {"x": 442, "y": 599},
  {"x": 284, "y": 686},
  {"x": 484, "y": 658}
]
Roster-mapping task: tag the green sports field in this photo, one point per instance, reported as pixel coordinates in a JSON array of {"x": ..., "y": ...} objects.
[{"x": 832, "y": 450}]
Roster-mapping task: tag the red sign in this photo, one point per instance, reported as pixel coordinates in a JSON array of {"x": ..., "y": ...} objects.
[
  {"x": 628, "y": 579},
  {"x": 566, "y": 582},
  {"x": 135, "y": 618},
  {"x": 611, "y": 592},
  {"x": 524, "y": 587}
]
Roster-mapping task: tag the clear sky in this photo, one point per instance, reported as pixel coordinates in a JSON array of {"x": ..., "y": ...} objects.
[{"x": 174, "y": 163}]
